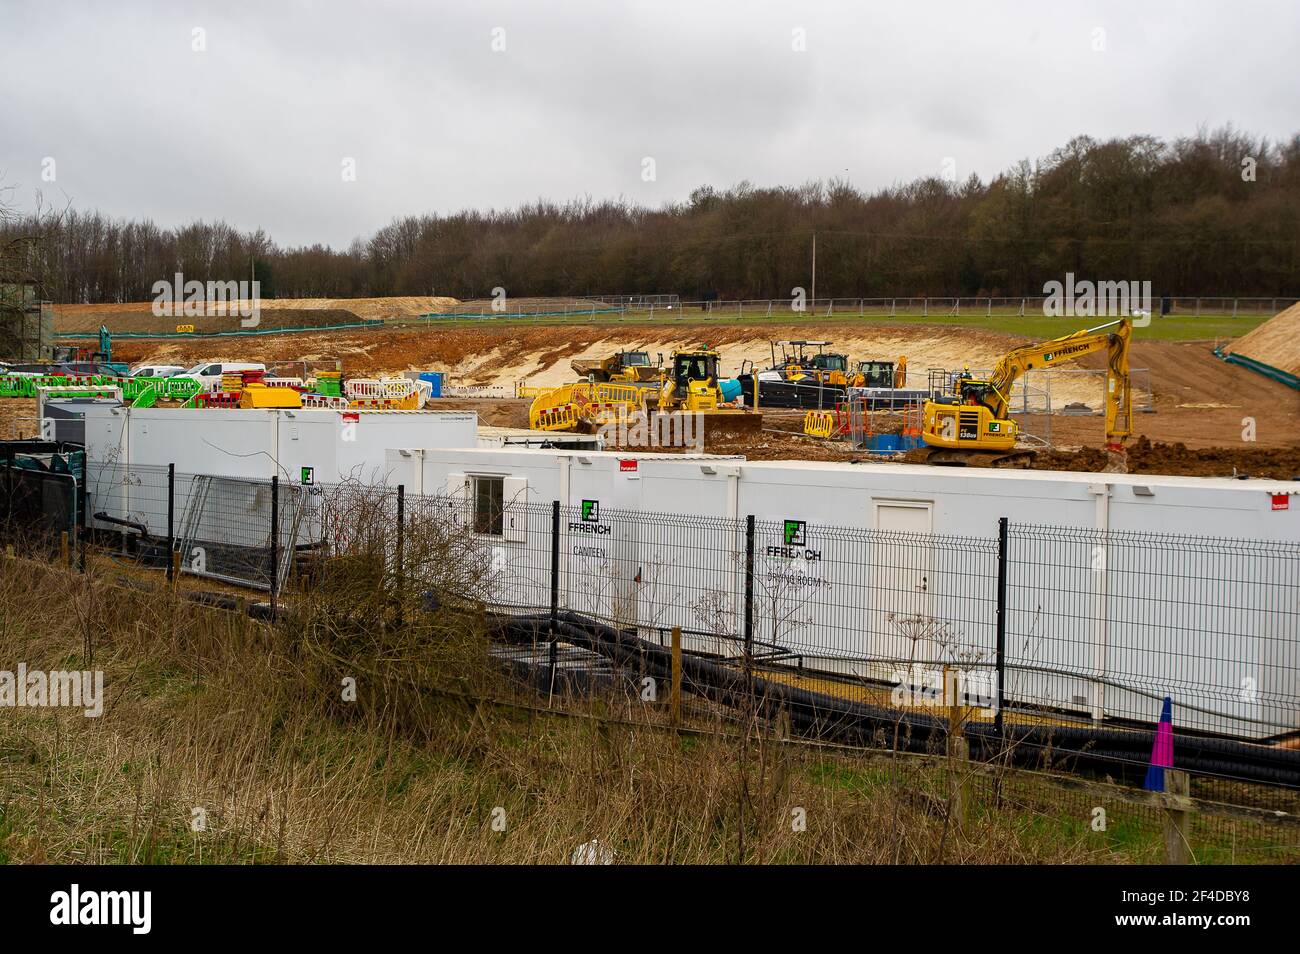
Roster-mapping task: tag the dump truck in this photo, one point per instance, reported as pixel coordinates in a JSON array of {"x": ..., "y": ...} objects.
[{"x": 623, "y": 367}]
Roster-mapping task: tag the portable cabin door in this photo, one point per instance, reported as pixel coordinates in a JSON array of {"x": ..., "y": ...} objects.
[{"x": 902, "y": 585}]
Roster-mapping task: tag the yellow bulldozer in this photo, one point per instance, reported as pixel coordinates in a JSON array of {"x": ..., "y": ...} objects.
[
  {"x": 691, "y": 383},
  {"x": 971, "y": 424}
]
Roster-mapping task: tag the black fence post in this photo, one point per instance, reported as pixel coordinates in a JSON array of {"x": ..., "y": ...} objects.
[
  {"x": 82, "y": 496},
  {"x": 171, "y": 521},
  {"x": 401, "y": 538},
  {"x": 555, "y": 589},
  {"x": 275, "y": 540},
  {"x": 401, "y": 526},
  {"x": 9, "y": 487},
  {"x": 1002, "y": 623},
  {"x": 749, "y": 597}
]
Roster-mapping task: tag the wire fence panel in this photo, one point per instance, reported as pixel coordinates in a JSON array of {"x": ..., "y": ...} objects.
[
  {"x": 1098, "y": 626},
  {"x": 1109, "y": 624},
  {"x": 890, "y": 606},
  {"x": 40, "y": 506},
  {"x": 654, "y": 572}
]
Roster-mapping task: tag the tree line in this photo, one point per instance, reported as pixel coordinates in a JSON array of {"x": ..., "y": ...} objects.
[{"x": 1217, "y": 213}]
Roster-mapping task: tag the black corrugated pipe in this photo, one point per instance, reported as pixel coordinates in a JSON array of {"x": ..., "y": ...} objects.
[{"x": 1114, "y": 752}]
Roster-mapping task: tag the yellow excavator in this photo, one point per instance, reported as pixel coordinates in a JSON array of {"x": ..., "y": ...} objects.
[{"x": 971, "y": 425}]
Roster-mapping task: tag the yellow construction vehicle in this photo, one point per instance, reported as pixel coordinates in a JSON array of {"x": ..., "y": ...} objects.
[
  {"x": 972, "y": 422},
  {"x": 691, "y": 383},
  {"x": 880, "y": 374},
  {"x": 624, "y": 367},
  {"x": 799, "y": 363}
]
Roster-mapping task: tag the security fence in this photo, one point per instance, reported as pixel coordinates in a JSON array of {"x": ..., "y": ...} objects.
[
  {"x": 40, "y": 495},
  {"x": 237, "y": 530},
  {"x": 1030, "y": 623},
  {"x": 789, "y": 309}
]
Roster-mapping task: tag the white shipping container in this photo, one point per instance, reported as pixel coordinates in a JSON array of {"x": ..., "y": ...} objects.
[{"x": 1098, "y": 622}]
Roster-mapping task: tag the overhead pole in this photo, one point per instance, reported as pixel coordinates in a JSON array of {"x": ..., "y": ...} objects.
[{"x": 814, "y": 273}]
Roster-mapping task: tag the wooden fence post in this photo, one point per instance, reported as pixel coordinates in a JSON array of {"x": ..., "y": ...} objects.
[{"x": 1177, "y": 817}]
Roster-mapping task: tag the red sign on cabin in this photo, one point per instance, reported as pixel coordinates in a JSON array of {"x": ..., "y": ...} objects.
[
  {"x": 627, "y": 465},
  {"x": 1281, "y": 501}
]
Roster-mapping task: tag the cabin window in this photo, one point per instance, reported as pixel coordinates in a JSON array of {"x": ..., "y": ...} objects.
[{"x": 488, "y": 495}]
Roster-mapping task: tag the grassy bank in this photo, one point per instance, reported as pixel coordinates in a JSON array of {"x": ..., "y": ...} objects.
[{"x": 229, "y": 740}]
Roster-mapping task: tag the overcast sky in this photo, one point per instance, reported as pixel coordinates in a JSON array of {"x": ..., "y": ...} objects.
[{"x": 255, "y": 127}]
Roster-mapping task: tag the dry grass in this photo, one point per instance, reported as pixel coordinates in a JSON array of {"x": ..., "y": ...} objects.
[{"x": 439, "y": 758}]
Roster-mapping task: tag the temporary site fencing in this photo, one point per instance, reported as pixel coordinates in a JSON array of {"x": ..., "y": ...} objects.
[
  {"x": 42, "y": 498},
  {"x": 1042, "y": 646},
  {"x": 1075, "y": 623},
  {"x": 666, "y": 307}
]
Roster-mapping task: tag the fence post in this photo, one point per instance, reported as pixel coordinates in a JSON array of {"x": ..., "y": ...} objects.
[
  {"x": 275, "y": 539},
  {"x": 82, "y": 497},
  {"x": 675, "y": 693},
  {"x": 749, "y": 599},
  {"x": 1002, "y": 622},
  {"x": 1177, "y": 790},
  {"x": 171, "y": 522},
  {"x": 401, "y": 539},
  {"x": 555, "y": 592},
  {"x": 9, "y": 487},
  {"x": 401, "y": 526}
]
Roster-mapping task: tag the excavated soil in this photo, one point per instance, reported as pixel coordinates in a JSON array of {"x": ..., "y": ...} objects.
[
  {"x": 1209, "y": 416},
  {"x": 143, "y": 320},
  {"x": 1145, "y": 457},
  {"x": 138, "y": 315},
  {"x": 1276, "y": 342}
]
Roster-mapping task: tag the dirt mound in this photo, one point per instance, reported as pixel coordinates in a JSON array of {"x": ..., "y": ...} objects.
[
  {"x": 491, "y": 412},
  {"x": 1276, "y": 342},
  {"x": 527, "y": 306},
  {"x": 1146, "y": 457},
  {"x": 140, "y": 318},
  {"x": 138, "y": 315}
]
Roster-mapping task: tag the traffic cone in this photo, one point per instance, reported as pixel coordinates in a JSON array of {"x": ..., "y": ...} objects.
[{"x": 1162, "y": 752}]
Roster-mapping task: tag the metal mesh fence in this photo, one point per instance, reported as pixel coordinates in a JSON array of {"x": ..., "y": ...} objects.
[
  {"x": 40, "y": 502},
  {"x": 1097, "y": 628},
  {"x": 1109, "y": 624}
]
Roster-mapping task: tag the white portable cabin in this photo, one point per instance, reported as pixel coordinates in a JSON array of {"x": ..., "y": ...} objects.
[
  {"x": 917, "y": 498},
  {"x": 1098, "y": 622},
  {"x": 128, "y": 449},
  {"x": 522, "y": 437},
  {"x": 266, "y": 442}
]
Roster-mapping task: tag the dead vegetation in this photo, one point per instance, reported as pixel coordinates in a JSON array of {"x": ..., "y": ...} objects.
[
  {"x": 364, "y": 728},
  {"x": 368, "y": 724}
]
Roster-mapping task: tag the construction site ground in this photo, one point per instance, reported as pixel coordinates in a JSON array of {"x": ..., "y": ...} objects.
[{"x": 1209, "y": 417}]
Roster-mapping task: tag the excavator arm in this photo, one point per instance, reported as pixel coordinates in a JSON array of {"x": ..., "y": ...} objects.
[{"x": 1112, "y": 337}]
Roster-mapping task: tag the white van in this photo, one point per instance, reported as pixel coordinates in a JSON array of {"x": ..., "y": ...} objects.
[
  {"x": 157, "y": 371},
  {"x": 208, "y": 373}
]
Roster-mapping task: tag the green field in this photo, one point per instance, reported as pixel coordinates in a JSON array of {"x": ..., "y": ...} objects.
[{"x": 1170, "y": 328}]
